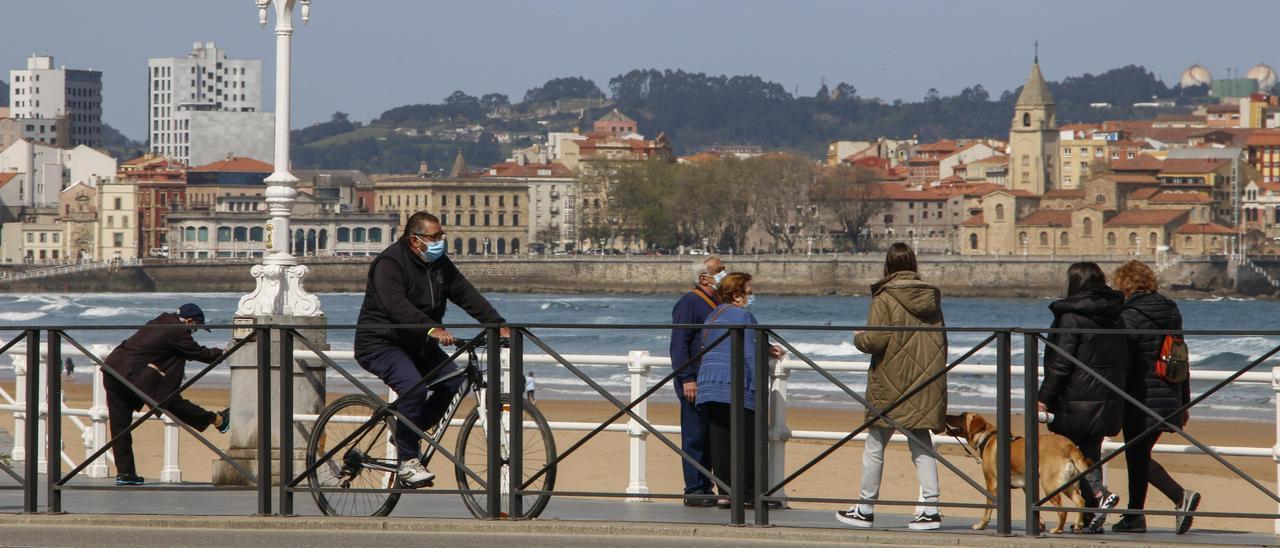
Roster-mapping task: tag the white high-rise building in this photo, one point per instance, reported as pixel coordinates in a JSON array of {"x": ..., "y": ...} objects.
[
  {"x": 205, "y": 106},
  {"x": 50, "y": 94}
]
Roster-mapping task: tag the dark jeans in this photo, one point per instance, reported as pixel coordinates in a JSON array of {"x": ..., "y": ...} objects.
[
  {"x": 1091, "y": 484},
  {"x": 694, "y": 431},
  {"x": 401, "y": 373},
  {"x": 1144, "y": 470},
  {"x": 122, "y": 402},
  {"x": 721, "y": 446}
]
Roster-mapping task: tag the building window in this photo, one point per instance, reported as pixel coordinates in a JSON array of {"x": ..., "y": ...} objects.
[
  {"x": 344, "y": 234},
  {"x": 471, "y": 246},
  {"x": 117, "y": 203},
  {"x": 501, "y": 201},
  {"x": 203, "y": 234},
  {"x": 56, "y": 237},
  {"x": 224, "y": 234},
  {"x": 457, "y": 218},
  {"x": 240, "y": 234},
  {"x": 1152, "y": 240},
  {"x": 457, "y": 245},
  {"x": 375, "y": 235},
  {"x": 515, "y": 220},
  {"x": 473, "y": 200},
  {"x": 999, "y": 213},
  {"x": 486, "y": 219},
  {"x": 1088, "y": 227},
  {"x": 472, "y": 219},
  {"x": 255, "y": 234},
  {"x": 357, "y": 235},
  {"x": 973, "y": 241},
  {"x": 1044, "y": 238},
  {"x": 1062, "y": 239},
  {"x": 444, "y": 200},
  {"x": 118, "y": 239},
  {"x": 1026, "y": 119},
  {"x": 502, "y": 218},
  {"x": 515, "y": 201}
]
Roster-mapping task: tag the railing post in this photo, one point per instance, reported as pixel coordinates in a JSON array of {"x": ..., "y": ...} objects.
[
  {"x": 1275, "y": 449},
  {"x": 171, "y": 472},
  {"x": 1004, "y": 480},
  {"x": 20, "y": 399},
  {"x": 30, "y": 464},
  {"x": 264, "y": 420},
  {"x": 53, "y": 422},
  {"x": 287, "y": 427},
  {"x": 1031, "y": 429},
  {"x": 493, "y": 413},
  {"x": 515, "y": 445},
  {"x": 779, "y": 433},
  {"x": 737, "y": 427},
  {"x": 761, "y": 426},
  {"x": 98, "y": 421},
  {"x": 637, "y": 436}
]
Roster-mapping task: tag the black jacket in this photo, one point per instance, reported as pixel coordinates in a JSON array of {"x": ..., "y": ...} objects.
[
  {"x": 166, "y": 349},
  {"x": 404, "y": 289},
  {"x": 1151, "y": 311},
  {"x": 1081, "y": 404}
]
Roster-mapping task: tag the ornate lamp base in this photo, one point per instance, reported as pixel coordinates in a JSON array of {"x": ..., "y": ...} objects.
[{"x": 279, "y": 291}]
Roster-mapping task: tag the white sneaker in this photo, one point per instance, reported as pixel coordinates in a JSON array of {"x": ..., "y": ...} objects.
[{"x": 414, "y": 475}]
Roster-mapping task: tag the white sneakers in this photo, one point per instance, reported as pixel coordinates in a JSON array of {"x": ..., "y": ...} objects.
[{"x": 413, "y": 474}]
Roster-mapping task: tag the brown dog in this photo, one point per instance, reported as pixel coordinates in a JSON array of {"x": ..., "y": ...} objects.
[{"x": 1060, "y": 460}]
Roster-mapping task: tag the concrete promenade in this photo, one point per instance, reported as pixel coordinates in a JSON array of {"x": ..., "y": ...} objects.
[{"x": 140, "y": 517}]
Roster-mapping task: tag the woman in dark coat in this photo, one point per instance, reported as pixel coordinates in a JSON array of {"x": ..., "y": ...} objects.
[
  {"x": 1084, "y": 409},
  {"x": 1145, "y": 308}
]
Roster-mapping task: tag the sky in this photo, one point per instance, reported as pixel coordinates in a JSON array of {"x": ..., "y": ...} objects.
[{"x": 366, "y": 56}]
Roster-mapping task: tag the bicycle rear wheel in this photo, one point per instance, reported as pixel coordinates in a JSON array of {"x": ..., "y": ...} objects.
[
  {"x": 362, "y": 463},
  {"x": 538, "y": 451}
]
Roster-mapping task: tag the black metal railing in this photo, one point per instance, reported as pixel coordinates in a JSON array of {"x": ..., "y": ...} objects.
[{"x": 517, "y": 486}]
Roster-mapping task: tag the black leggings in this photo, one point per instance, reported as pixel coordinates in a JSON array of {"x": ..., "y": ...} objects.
[
  {"x": 721, "y": 444},
  {"x": 122, "y": 402},
  {"x": 1144, "y": 470},
  {"x": 1091, "y": 484}
]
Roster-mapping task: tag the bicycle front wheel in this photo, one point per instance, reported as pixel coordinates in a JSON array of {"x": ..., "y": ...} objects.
[
  {"x": 365, "y": 462},
  {"x": 539, "y": 449}
]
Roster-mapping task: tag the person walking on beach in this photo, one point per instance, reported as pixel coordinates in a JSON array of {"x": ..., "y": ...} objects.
[
  {"x": 410, "y": 283},
  {"x": 69, "y": 367},
  {"x": 715, "y": 377},
  {"x": 693, "y": 309},
  {"x": 1146, "y": 308},
  {"x": 1084, "y": 410},
  {"x": 154, "y": 360},
  {"x": 529, "y": 386},
  {"x": 900, "y": 362}
]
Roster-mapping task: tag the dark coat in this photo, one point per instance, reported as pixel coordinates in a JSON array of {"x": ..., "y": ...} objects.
[
  {"x": 154, "y": 360},
  {"x": 1082, "y": 405},
  {"x": 404, "y": 289},
  {"x": 692, "y": 308},
  {"x": 1151, "y": 311}
]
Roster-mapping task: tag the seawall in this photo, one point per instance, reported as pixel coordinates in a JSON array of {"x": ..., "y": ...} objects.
[{"x": 977, "y": 277}]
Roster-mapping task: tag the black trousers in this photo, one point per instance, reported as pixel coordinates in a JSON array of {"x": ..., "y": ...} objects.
[
  {"x": 1091, "y": 484},
  {"x": 721, "y": 444},
  {"x": 122, "y": 402},
  {"x": 1144, "y": 470}
]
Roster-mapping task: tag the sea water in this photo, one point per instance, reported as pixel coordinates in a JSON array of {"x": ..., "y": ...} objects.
[{"x": 966, "y": 392}]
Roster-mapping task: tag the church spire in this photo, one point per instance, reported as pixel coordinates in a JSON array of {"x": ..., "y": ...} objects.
[{"x": 1036, "y": 91}]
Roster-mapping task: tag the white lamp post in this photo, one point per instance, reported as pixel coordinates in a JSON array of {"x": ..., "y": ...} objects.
[{"x": 279, "y": 278}]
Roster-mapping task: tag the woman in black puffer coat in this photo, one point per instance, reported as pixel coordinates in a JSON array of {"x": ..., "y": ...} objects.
[
  {"x": 1144, "y": 308},
  {"x": 1084, "y": 409}
]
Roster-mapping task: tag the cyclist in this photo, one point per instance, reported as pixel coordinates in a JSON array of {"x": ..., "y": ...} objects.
[{"x": 410, "y": 283}]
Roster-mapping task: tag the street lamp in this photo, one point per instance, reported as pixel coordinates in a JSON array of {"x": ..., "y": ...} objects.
[{"x": 279, "y": 278}]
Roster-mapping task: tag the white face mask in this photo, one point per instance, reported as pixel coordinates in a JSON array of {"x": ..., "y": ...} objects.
[{"x": 716, "y": 278}]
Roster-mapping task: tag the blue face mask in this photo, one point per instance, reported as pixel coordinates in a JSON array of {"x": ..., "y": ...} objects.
[
  {"x": 434, "y": 251},
  {"x": 751, "y": 299}
]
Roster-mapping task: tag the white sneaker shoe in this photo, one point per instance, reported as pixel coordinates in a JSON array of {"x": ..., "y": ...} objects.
[{"x": 413, "y": 474}]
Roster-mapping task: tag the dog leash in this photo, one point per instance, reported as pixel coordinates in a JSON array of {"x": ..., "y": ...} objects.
[{"x": 965, "y": 445}]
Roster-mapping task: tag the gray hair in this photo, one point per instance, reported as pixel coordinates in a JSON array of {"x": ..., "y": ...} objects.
[{"x": 700, "y": 266}]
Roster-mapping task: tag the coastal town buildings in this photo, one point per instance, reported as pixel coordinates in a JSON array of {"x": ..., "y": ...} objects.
[
  {"x": 51, "y": 96},
  {"x": 481, "y": 215},
  {"x": 54, "y": 170}
]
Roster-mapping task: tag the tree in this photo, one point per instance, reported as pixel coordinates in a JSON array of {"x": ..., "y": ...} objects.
[
  {"x": 556, "y": 89},
  {"x": 548, "y": 236},
  {"x": 781, "y": 185},
  {"x": 852, "y": 194}
]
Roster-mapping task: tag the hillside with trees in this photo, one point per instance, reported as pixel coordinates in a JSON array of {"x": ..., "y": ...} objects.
[{"x": 697, "y": 110}]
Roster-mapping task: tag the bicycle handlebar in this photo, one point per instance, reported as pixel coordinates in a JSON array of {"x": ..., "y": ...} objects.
[{"x": 481, "y": 341}]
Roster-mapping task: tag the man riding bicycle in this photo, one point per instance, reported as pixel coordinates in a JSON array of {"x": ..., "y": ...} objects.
[{"x": 410, "y": 283}]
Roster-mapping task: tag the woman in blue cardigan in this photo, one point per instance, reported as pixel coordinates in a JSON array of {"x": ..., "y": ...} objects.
[{"x": 715, "y": 377}]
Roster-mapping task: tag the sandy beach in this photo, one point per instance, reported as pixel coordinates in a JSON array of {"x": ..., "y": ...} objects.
[{"x": 601, "y": 464}]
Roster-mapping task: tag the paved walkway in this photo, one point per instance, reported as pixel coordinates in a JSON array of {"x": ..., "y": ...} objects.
[{"x": 146, "y": 509}]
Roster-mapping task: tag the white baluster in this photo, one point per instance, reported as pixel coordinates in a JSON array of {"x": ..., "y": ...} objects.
[
  {"x": 779, "y": 433},
  {"x": 20, "y": 399},
  {"x": 98, "y": 423},
  {"x": 42, "y": 427},
  {"x": 172, "y": 470},
  {"x": 1275, "y": 449},
  {"x": 639, "y": 372}
]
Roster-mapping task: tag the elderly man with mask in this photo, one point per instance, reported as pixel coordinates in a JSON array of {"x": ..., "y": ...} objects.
[
  {"x": 693, "y": 308},
  {"x": 410, "y": 283}
]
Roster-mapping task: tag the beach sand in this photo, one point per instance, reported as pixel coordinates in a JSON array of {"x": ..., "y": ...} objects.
[{"x": 602, "y": 463}]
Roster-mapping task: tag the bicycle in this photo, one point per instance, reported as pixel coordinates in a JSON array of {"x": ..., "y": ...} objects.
[{"x": 360, "y": 477}]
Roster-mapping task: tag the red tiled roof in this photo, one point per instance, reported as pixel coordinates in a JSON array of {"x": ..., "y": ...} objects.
[
  {"x": 512, "y": 169},
  {"x": 1131, "y": 179},
  {"x": 1141, "y": 162},
  {"x": 1047, "y": 217},
  {"x": 975, "y": 220},
  {"x": 945, "y": 145},
  {"x": 1147, "y": 217},
  {"x": 1064, "y": 193},
  {"x": 1192, "y": 165},
  {"x": 6, "y": 177},
  {"x": 1144, "y": 193},
  {"x": 997, "y": 159},
  {"x": 1222, "y": 108},
  {"x": 1264, "y": 138},
  {"x": 1021, "y": 193},
  {"x": 1180, "y": 197},
  {"x": 237, "y": 164},
  {"x": 1204, "y": 228}
]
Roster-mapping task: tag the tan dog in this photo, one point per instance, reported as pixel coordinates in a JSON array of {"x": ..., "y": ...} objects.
[{"x": 1060, "y": 460}]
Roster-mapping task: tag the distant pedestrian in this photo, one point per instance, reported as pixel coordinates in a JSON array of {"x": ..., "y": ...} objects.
[
  {"x": 715, "y": 380},
  {"x": 69, "y": 366},
  {"x": 153, "y": 361},
  {"x": 1145, "y": 308},
  {"x": 529, "y": 386},
  {"x": 1084, "y": 410},
  {"x": 693, "y": 309},
  {"x": 900, "y": 362}
]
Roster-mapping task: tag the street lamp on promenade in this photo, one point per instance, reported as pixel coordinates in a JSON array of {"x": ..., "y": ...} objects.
[{"x": 279, "y": 278}]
